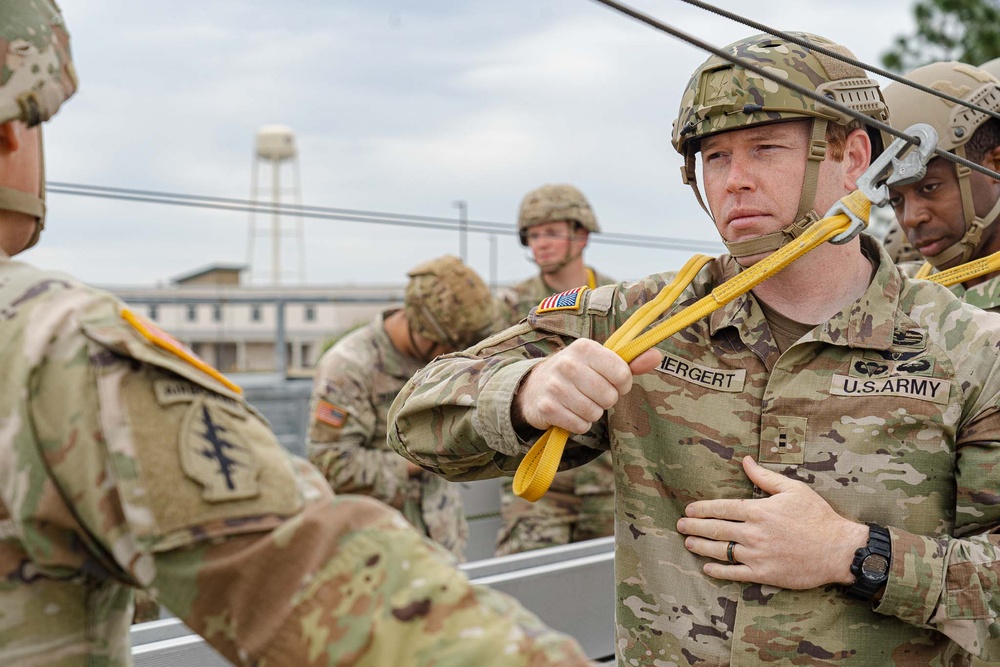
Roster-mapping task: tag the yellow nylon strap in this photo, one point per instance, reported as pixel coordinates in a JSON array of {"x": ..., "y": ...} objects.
[
  {"x": 591, "y": 279},
  {"x": 963, "y": 272},
  {"x": 924, "y": 271},
  {"x": 538, "y": 468}
]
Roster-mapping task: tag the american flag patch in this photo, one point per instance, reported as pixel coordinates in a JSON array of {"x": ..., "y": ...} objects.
[
  {"x": 568, "y": 300},
  {"x": 328, "y": 413}
]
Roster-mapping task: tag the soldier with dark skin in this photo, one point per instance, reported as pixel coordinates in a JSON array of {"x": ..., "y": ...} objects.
[
  {"x": 950, "y": 214},
  {"x": 447, "y": 307},
  {"x": 126, "y": 462},
  {"x": 554, "y": 223},
  {"x": 808, "y": 474}
]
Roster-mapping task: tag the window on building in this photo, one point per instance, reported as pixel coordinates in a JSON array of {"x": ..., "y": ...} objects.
[
  {"x": 216, "y": 313},
  {"x": 192, "y": 312},
  {"x": 310, "y": 313},
  {"x": 255, "y": 313},
  {"x": 154, "y": 312}
]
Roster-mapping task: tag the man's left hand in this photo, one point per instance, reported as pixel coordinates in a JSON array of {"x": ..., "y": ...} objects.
[{"x": 791, "y": 539}]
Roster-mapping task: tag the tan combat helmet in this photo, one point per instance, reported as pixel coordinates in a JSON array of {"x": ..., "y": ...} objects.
[
  {"x": 721, "y": 96},
  {"x": 36, "y": 77},
  {"x": 955, "y": 125},
  {"x": 448, "y": 303},
  {"x": 992, "y": 66},
  {"x": 554, "y": 203}
]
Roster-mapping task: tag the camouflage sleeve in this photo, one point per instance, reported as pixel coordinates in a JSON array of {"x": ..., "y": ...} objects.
[
  {"x": 349, "y": 582},
  {"x": 144, "y": 461},
  {"x": 453, "y": 417},
  {"x": 341, "y": 435},
  {"x": 950, "y": 583}
]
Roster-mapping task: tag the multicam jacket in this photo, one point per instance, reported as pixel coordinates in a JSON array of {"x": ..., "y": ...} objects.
[
  {"x": 356, "y": 382},
  {"x": 889, "y": 410},
  {"x": 124, "y": 465}
]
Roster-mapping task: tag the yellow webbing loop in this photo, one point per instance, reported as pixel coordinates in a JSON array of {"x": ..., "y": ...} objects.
[
  {"x": 924, "y": 271},
  {"x": 535, "y": 473},
  {"x": 963, "y": 272}
]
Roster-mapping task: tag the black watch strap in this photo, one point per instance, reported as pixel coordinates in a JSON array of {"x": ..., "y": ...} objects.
[{"x": 871, "y": 564}]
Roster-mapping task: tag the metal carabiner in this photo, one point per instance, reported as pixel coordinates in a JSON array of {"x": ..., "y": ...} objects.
[{"x": 901, "y": 163}]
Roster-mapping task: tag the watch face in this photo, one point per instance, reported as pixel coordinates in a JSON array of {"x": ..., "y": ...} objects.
[{"x": 875, "y": 567}]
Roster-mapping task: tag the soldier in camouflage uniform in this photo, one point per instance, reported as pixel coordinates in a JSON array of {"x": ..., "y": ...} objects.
[
  {"x": 554, "y": 222},
  {"x": 126, "y": 462},
  {"x": 751, "y": 449},
  {"x": 447, "y": 308},
  {"x": 950, "y": 215}
]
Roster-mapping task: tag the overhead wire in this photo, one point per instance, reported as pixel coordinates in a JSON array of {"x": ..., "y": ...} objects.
[
  {"x": 819, "y": 48},
  {"x": 791, "y": 85},
  {"x": 354, "y": 215}
]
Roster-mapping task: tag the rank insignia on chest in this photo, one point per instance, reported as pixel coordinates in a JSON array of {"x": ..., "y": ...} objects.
[
  {"x": 330, "y": 414},
  {"x": 568, "y": 300}
]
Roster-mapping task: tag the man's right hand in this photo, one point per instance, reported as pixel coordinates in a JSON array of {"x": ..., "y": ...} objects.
[{"x": 572, "y": 388}]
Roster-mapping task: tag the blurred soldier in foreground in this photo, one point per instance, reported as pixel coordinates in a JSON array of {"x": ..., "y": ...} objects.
[
  {"x": 447, "y": 308},
  {"x": 808, "y": 475},
  {"x": 554, "y": 223},
  {"x": 950, "y": 215},
  {"x": 126, "y": 462}
]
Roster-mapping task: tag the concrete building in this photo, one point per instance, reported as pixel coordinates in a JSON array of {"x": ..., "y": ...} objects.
[{"x": 239, "y": 328}]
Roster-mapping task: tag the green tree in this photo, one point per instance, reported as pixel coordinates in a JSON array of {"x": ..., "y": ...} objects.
[{"x": 965, "y": 30}]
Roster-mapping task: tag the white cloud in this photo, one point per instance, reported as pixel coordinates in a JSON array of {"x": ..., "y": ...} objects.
[{"x": 402, "y": 107}]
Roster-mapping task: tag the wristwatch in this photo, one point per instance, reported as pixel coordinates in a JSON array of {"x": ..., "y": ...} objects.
[{"x": 871, "y": 564}]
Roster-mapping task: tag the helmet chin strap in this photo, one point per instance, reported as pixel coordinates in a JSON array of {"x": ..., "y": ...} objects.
[
  {"x": 975, "y": 226},
  {"x": 804, "y": 217},
  {"x": 23, "y": 202}
]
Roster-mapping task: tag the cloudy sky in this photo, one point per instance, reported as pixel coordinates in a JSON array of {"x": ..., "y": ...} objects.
[{"x": 404, "y": 107}]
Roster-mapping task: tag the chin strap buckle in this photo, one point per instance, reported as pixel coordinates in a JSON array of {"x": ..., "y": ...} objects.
[{"x": 901, "y": 163}]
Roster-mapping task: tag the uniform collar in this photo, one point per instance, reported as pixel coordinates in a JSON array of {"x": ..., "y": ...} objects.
[{"x": 868, "y": 323}]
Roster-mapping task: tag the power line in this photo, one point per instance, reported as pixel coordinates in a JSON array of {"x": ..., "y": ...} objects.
[
  {"x": 819, "y": 48},
  {"x": 791, "y": 85},
  {"x": 356, "y": 215}
]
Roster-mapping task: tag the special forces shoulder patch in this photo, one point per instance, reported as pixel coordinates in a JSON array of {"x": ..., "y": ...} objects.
[
  {"x": 196, "y": 462},
  {"x": 568, "y": 300},
  {"x": 214, "y": 454}
]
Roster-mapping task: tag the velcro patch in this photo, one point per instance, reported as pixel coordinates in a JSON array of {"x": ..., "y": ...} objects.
[
  {"x": 169, "y": 392},
  {"x": 190, "y": 476},
  {"x": 910, "y": 386},
  {"x": 712, "y": 378},
  {"x": 330, "y": 414},
  {"x": 568, "y": 300}
]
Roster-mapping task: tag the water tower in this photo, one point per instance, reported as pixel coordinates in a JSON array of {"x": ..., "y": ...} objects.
[{"x": 275, "y": 148}]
